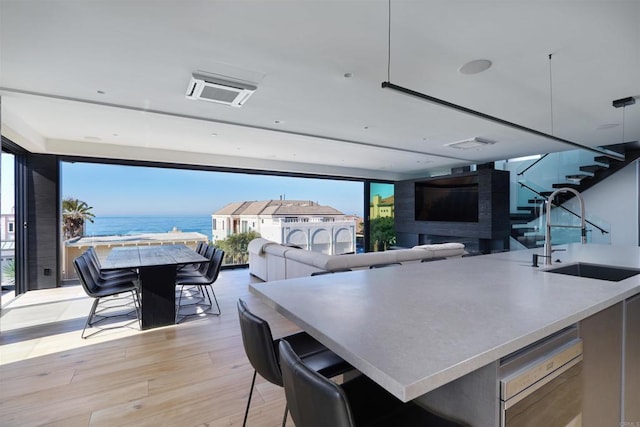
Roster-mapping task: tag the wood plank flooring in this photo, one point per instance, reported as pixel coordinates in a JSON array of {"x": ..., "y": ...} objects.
[{"x": 192, "y": 374}]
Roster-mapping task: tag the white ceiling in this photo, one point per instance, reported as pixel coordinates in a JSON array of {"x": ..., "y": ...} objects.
[{"x": 55, "y": 57}]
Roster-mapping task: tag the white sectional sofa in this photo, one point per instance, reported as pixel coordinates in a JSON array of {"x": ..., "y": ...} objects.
[{"x": 272, "y": 261}]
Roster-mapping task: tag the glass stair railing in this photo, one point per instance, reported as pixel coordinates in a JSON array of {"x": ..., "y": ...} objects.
[
  {"x": 534, "y": 178},
  {"x": 566, "y": 215}
]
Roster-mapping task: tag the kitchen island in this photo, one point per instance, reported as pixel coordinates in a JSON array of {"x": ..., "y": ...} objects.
[{"x": 415, "y": 328}]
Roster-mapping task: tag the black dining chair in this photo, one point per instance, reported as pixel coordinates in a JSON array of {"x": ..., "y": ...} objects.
[
  {"x": 262, "y": 352},
  {"x": 202, "y": 248},
  {"x": 121, "y": 273},
  {"x": 99, "y": 290},
  {"x": 204, "y": 282},
  {"x": 315, "y": 401}
]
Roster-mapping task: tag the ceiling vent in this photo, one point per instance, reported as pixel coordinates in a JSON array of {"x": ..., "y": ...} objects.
[
  {"x": 470, "y": 143},
  {"x": 216, "y": 89}
]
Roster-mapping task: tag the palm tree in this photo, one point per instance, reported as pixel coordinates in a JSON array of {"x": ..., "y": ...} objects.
[
  {"x": 236, "y": 246},
  {"x": 74, "y": 214},
  {"x": 9, "y": 274}
]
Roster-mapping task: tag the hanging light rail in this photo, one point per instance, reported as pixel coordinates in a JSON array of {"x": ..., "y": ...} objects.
[{"x": 600, "y": 151}]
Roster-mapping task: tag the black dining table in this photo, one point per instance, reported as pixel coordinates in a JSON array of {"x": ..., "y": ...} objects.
[{"x": 157, "y": 266}]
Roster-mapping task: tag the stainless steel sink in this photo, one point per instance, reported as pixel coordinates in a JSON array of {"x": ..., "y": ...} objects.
[{"x": 596, "y": 271}]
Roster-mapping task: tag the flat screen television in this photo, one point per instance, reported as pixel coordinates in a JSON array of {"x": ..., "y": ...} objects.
[{"x": 452, "y": 199}]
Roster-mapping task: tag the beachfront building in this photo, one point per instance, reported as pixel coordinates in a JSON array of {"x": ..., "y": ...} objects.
[
  {"x": 381, "y": 207},
  {"x": 303, "y": 223},
  {"x": 7, "y": 237}
]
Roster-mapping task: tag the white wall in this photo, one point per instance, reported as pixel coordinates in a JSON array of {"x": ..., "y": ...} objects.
[{"x": 615, "y": 200}]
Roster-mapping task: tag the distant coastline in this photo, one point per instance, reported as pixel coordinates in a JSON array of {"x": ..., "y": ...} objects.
[{"x": 132, "y": 224}]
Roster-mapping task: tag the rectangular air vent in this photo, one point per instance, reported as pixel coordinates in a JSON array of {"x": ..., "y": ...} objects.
[
  {"x": 216, "y": 89},
  {"x": 470, "y": 143}
]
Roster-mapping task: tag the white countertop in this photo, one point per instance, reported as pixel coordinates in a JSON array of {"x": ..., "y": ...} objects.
[{"x": 415, "y": 327}]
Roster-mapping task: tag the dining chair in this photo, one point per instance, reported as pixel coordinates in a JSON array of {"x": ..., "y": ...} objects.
[
  {"x": 203, "y": 281},
  {"x": 102, "y": 281},
  {"x": 262, "y": 351},
  {"x": 193, "y": 294},
  {"x": 198, "y": 269},
  {"x": 123, "y": 273},
  {"x": 202, "y": 248},
  {"x": 99, "y": 291},
  {"x": 315, "y": 401}
]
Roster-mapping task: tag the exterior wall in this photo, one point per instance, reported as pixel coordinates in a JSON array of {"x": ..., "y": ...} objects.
[
  {"x": 222, "y": 227},
  {"x": 328, "y": 235},
  {"x": 380, "y": 209},
  {"x": 7, "y": 238},
  {"x": 8, "y": 227}
]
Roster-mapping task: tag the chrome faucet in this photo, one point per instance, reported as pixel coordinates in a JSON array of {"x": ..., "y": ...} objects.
[{"x": 547, "y": 237}]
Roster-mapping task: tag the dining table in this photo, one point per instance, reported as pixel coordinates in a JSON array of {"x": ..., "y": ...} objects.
[{"x": 157, "y": 266}]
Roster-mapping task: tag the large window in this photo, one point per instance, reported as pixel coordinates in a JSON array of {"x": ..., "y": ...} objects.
[{"x": 128, "y": 202}]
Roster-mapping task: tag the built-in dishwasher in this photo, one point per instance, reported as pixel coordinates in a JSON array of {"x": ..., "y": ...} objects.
[{"x": 541, "y": 385}]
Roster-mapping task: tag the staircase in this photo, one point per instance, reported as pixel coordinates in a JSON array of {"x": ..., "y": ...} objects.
[{"x": 582, "y": 179}]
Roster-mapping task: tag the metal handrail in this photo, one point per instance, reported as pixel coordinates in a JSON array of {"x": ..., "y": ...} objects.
[
  {"x": 602, "y": 230},
  {"x": 533, "y": 164}
]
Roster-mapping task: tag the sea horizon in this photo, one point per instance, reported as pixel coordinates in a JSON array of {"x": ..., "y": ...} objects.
[{"x": 117, "y": 225}]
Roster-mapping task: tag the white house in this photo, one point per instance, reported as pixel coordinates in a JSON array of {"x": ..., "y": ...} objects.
[
  {"x": 7, "y": 237},
  {"x": 297, "y": 222}
]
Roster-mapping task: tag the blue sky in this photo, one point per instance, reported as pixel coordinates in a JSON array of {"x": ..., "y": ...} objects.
[{"x": 128, "y": 190}]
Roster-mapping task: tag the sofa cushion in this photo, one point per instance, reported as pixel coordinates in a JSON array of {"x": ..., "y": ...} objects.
[
  {"x": 277, "y": 250},
  {"x": 403, "y": 255},
  {"x": 257, "y": 245},
  {"x": 443, "y": 249},
  {"x": 316, "y": 259},
  {"x": 359, "y": 260}
]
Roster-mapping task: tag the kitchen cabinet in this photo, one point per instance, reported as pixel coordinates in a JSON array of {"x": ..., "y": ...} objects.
[
  {"x": 631, "y": 404},
  {"x": 602, "y": 367}
]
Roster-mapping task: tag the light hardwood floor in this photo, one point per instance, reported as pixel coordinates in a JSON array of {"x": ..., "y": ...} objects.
[{"x": 192, "y": 374}]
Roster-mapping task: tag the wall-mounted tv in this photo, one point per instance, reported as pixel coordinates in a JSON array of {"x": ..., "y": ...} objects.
[{"x": 452, "y": 198}]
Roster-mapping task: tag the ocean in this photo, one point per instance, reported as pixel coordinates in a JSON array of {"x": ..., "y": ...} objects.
[{"x": 127, "y": 225}]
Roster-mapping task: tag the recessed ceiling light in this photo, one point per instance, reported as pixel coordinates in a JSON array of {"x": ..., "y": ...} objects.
[
  {"x": 101, "y": 92},
  {"x": 214, "y": 134},
  {"x": 278, "y": 122},
  {"x": 476, "y": 66},
  {"x": 525, "y": 158},
  {"x": 366, "y": 127},
  {"x": 348, "y": 75}
]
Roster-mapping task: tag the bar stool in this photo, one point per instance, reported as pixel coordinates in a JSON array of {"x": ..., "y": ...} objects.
[{"x": 315, "y": 401}]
